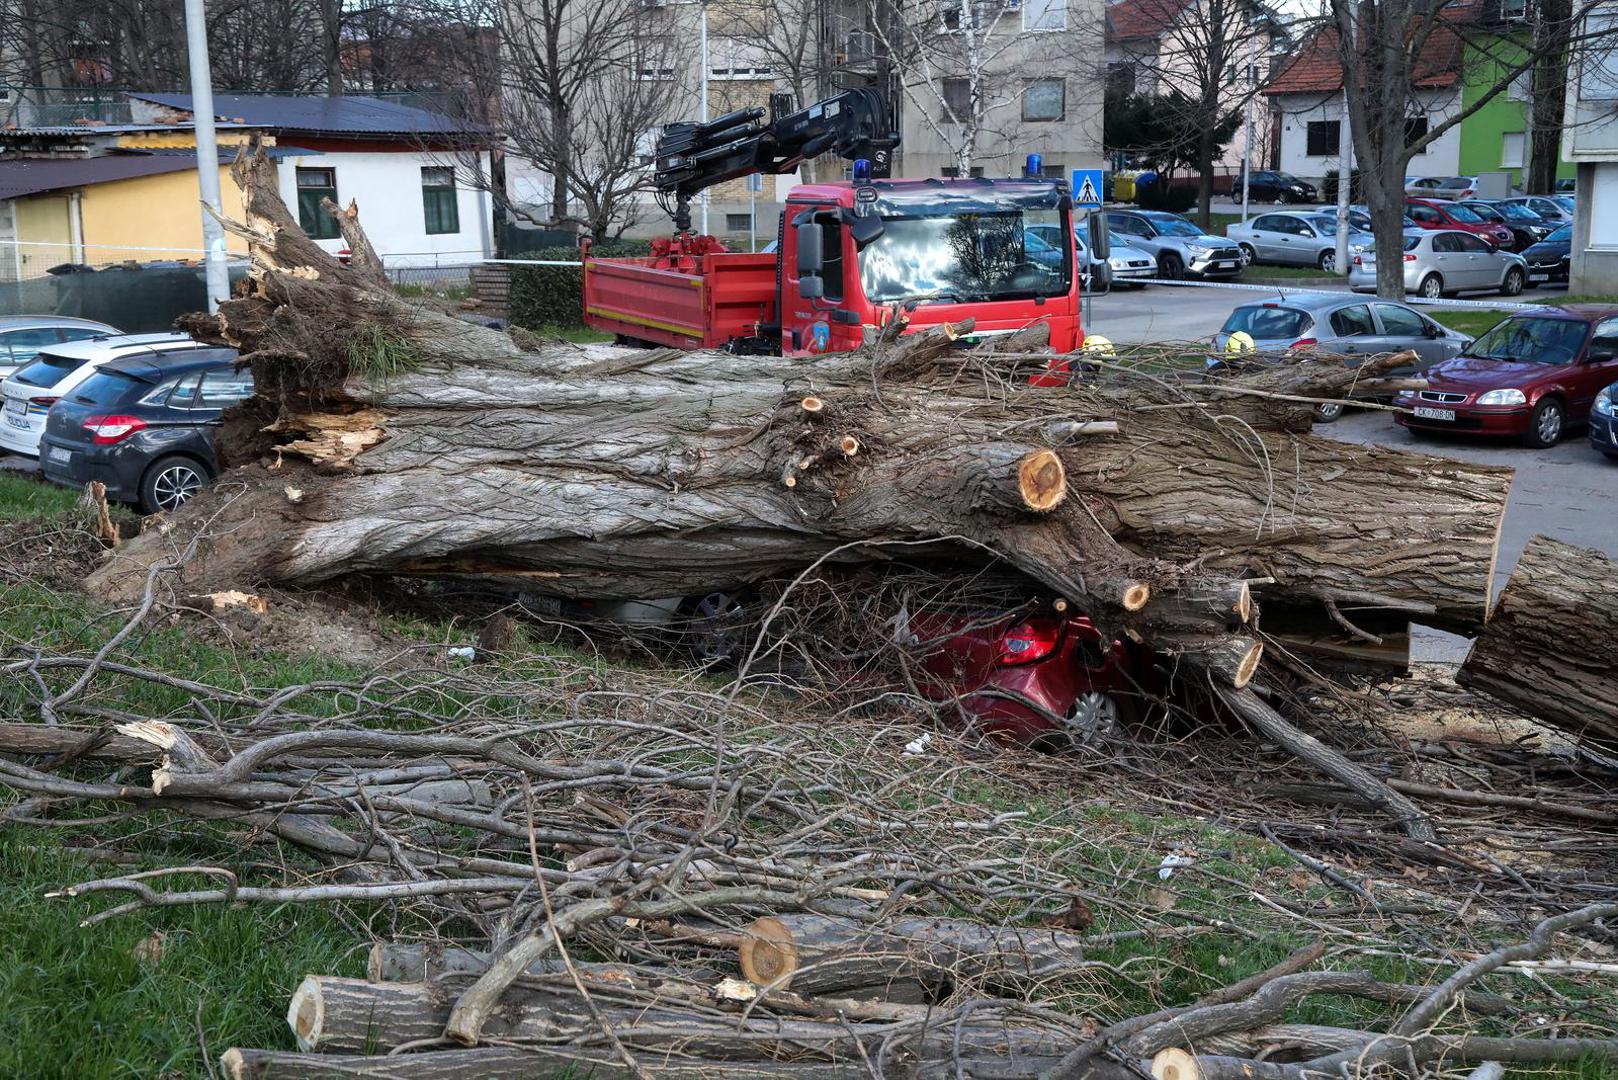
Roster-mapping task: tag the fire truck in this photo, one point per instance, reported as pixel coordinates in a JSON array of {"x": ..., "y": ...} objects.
[{"x": 849, "y": 254}]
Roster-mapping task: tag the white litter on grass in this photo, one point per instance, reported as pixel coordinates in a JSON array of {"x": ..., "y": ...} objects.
[
  {"x": 1166, "y": 868},
  {"x": 918, "y": 746},
  {"x": 462, "y": 652}
]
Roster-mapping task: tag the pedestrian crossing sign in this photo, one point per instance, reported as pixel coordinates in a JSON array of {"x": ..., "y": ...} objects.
[{"x": 1087, "y": 189}]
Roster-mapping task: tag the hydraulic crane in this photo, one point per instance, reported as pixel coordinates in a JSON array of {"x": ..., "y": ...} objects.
[{"x": 855, "y": 124}]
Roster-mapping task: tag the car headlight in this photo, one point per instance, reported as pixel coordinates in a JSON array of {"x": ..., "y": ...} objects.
[
  {"x": 1116, "y": 264},
  {"x": 1605, "y": 404},
  {"x": 1502, "y": 397}
]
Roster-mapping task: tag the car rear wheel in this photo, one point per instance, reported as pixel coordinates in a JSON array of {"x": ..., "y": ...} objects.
[
  {"x": 1327, "y": 261},
  {"x": 1513, "y": 284},
  {"x": 1326, "y": 412},
  {"x": 717, "y": 627},
  {"x": 1170, "y": 266},
  {"x": 1095, "y": 717},
  {"x": 169, "y": 482},
  {"x": 1248, "y": 254},
  {"x": 1432, "y": 287},
  {"x": 1545, "y": 427}
]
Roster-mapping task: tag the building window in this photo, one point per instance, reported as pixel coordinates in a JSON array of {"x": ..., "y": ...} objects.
[
  {"x": 1322, "y": 141},
  {"x": 1044, "y": 99},
  {"x": 1120, "y": 77},
  {"x": 957, "y": 100},
  {"x": 438, "y": 200},
  {"x": 314, "y": 185},
  {"x": 1598, "y": 64},
  {"x": 1415, "y": 129},
  {"x": 738, "y": 222},
  {"x": 1511, "y": 147},
  {"x": 1044, "y": 14}
]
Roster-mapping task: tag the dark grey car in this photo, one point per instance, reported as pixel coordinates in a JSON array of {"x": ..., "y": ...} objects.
[{"x": 1344, "y": 325}]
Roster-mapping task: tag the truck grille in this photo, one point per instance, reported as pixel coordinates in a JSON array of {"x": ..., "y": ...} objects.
[{"x": 1442, "y": 397}]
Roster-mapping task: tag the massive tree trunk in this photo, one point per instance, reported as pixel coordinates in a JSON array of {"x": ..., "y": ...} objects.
[
  {"x": 1547, "y": 649},
  {"x": 391, "y": 439}
]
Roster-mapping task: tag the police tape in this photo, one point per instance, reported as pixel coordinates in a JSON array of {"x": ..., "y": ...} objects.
[{"x": 1284, "y": 290}]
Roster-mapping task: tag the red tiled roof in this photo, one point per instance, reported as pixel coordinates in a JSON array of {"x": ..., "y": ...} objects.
[
  {"x": 1316, "y": 67},
  {"x": 1131, "y": 20}
]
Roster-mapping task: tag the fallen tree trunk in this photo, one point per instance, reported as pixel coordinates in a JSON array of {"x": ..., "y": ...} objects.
[
  {"x": 1547, "y": 648},
  {"x": 389, "y": 439}
]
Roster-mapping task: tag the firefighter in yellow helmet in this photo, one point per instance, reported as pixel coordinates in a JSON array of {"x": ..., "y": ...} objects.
[
  {"x": 1240, "y": 344},
  {"x": 1096, "y": 345}
]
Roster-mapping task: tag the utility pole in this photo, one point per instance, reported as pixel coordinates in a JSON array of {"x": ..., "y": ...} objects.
[
  {"x": 1345, "y": 174},
  {"x": 702, "y": 114},
  {"x": 213, "y": 233},
  {"x": 1247, "y": 124}
]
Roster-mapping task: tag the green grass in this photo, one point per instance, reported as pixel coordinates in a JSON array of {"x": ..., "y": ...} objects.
[
  {"x": 583, "y": 335},
  {"x": 29, "y": 498},
  {"x": 437, "y": 292},
  {"x": 1300, "y": 273},
  {"x": 380, "y": 351},
  {"x": 1467, "y": 320}
]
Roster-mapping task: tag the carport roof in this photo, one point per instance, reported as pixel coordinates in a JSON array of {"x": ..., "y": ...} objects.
[
  {"x": 33, "y": 176},
  {"x": 313, "y": 114}
]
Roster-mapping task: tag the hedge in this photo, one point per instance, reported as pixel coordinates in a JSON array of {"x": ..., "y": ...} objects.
[
  {"x": 1174, "y": 198},
  {"x": 1328, "y": 187},
  {"x": 543, "y": 296}
]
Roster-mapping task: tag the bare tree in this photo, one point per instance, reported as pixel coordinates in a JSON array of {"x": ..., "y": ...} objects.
[{"x": 1389, "y": 48}]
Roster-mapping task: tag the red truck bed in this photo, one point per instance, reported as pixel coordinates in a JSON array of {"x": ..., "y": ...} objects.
[{"x": 725, "y": 296}]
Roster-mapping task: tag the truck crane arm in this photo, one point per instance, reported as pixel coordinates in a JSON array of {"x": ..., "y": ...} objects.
[{"x": 691, "y": 157}]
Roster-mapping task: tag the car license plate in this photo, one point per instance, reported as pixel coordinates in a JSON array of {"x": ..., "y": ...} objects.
[
  {"x": 59, "y": 455},
  {"x": 16, "y": 420},
  {"x": 1434, "y": 414}
]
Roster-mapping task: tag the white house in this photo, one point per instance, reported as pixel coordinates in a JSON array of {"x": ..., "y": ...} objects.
[
  {"x": 1590, "y": 141},
  {"x": 1306, "y": 97},
  {"x": 420, "y": 177}
]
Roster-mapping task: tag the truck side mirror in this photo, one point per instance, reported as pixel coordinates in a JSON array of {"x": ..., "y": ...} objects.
[
  {"x": 811, "y": 255},
  {"x": 1096, "y": 228}
]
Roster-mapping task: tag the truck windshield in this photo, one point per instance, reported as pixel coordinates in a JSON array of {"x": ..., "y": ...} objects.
[{"x": 998, "y": 255}]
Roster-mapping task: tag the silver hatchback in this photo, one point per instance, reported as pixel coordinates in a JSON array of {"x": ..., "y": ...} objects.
[
  {"x": 1295, "y": 238},
  {"x": 22, "y": 336},
  {"x": 1441, "y": 261}
]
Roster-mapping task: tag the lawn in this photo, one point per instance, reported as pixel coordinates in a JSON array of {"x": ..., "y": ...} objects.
[
  {"x": 1475, "y": 321},
  {"x": 25, "y": 497}
]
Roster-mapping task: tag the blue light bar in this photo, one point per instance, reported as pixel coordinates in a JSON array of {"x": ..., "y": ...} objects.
[
  {"x": 1035, "y": 166},
  {"x": 862, "y": 170}
]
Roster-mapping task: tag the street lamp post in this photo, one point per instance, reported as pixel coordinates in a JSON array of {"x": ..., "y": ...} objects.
[
  {"x": 702, "y": 109},
  {"x": 216, "y": 275}
]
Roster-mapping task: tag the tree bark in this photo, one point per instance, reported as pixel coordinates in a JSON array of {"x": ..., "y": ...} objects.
[{"x": 1547, "y": 648}]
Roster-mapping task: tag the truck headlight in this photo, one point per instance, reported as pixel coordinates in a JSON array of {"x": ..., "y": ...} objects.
[
  {"x": 1605, "y": 404},
  {"x": 1502, "y": 397}
]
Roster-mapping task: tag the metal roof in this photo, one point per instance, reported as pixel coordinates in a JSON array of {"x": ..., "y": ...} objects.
[
  {"x": 30, "y": 176},
  {"x": 103, "y": 129},
  {"x": 322, "y": 115}
]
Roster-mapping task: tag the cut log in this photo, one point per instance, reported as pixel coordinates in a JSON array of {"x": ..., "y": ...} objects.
[
  {"x": 521, "y": 1063},
  {"x": 819, "y": 954},
  {"x": 1547, "y": 648}
]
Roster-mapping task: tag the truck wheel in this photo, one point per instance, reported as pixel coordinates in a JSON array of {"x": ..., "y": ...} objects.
[
  {"x": 1546, "y": 425},
  {"x": 1171, "y": 267},
  {"x": 169, "y": 482}
]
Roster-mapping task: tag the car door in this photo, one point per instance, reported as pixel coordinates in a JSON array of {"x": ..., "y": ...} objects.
[
  {"x": 1354, "y": 330},
  {"x": 1600, "y": 367},
  {"x": 1263, "y": 236},
  {"x": 219, "y": 389},
  {"x": 1481, "y": 265},
  {"x": 1398, "y": 327},
  {"x": 1284, "y": 238}
]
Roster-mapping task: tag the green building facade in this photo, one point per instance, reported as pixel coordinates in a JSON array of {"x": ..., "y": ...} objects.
[{"x": 1494, "y": 139}]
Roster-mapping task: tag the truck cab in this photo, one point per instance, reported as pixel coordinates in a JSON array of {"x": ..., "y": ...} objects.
[{"x": 851, "y": 256}]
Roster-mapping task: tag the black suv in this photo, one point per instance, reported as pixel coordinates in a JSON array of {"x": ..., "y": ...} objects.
[
  {"x": 1267, "y": 185},
  {"x": 143, "y": 426}
]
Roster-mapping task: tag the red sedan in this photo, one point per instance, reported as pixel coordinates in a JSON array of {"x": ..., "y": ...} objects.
[
  {"x": 1432, "y": 214},
  {"x": 1533, "y": 375}
]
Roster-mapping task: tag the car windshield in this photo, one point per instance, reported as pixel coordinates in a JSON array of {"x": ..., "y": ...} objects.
[
  {"x": 966, "y": 256},
  {"x": 48, "y": 370},
  {"x": 1266, "y": 323},
  {"x": 108, "y": 388},
  {"x": 1563, "y": 201},
  {"x": 1531, "y": 339},
  {"x": 1487, "y": 213},
  {"x": 1564, "y": 235},
  {"x": 1516, "y": 212},
  {"x": 1169, "y": 225},
  {"x": 1461, "y": 213}
]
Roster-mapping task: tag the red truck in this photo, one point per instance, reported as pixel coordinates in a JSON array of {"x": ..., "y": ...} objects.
[{"x": 849, "y": 255}]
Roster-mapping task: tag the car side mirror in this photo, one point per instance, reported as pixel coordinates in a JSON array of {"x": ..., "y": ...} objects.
[
  {"x": 1600, "y": 354},
  {"x": 1096, "y": 229}
]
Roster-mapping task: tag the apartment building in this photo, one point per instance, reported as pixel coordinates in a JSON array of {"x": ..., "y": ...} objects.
[{"x": 1590, "y": 141}]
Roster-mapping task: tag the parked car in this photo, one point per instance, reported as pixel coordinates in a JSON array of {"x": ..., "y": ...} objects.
[
  {"x": 22, "y": 336},
  {"x": 1436, "y": 215},
  {"x": 1267, "y": 185},
  {"x": 1554, "y": 209},
  {"x": 29, "y": 394},
  {"x": 143, "y": 425},
  {"x": 1046, "y": 679},
  {"x": 1294, "y": 237},
  {"x": 1125, "y": 262},
  {"x": 1527, "y": 228},
  {"x": 1442, "y": 187},
  {"x": 1604, "y": 421},
  {"x": 1566, "y": 186},
  {"x": 1360, "y": 218},
  {"x": 1179, "y": 247},
  {"x": 1442, "y": 263},
  {"x": 1532, "y": 375},
  {"x": 1551, "y": 259},
  {"x": 1345, "y": 325}
]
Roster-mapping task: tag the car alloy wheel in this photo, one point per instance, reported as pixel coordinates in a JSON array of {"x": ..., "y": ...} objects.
[
  {"x": 1094, "y": 716},
  {"x": 1248, "y": 254},
  {"x": 1326, "y": 412},
  {"x": 718, "y": 627},
  {"x": 1513, "y": 283},
  {"x": 1432, "y": 287},
  {"x": 175, "y": 484},
  {"x": 1171, "y": 267},
  {"x": 1328, "y": 261},
  {"x": 1545, "y": 426}
]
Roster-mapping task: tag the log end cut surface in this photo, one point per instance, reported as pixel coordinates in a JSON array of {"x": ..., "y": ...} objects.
[
  {"x": 1043, "y": 480},
  {"x": 767, "y": 954}
]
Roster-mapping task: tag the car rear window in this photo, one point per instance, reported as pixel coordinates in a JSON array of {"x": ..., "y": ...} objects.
[
  {"x": 109, "y": 388},
  {"x": 1268, "y": 323},
  {"x": 48, "y": 370}
]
